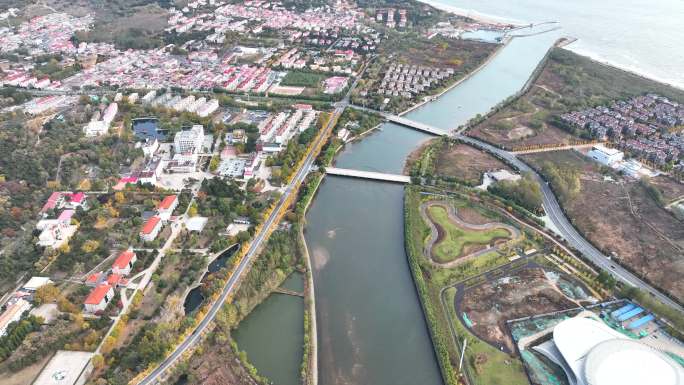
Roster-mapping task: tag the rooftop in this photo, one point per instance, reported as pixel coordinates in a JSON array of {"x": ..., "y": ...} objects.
[
  {"x": 123, "y": 259},
  {"x": 64, "y": 368},
  {"x": 150, "y": 225},
  {"x": 167, "y": 202},
  {"x": 96, "y": 296}
]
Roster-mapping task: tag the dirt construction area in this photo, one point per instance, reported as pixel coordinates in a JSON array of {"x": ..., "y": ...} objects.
[
  {"x": 621, "y": 217},
  {"x": 465, "y": 163},
  {"x": 485, "y": 308}
]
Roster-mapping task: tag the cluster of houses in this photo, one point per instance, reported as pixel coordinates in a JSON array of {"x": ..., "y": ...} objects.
[
  {"x": 338, "y": 61},
  {"x": 56, "y": 232},
  {"x": 389, "y": 19},
  {"x": 362, "y": 40},
  {"x": 47, "y": 104},
  {"x": 408, "y": 81},
  {"x": 103, "y": 284},
  {"x": 256, "y": 16},
  {"x": 150, "y": 230},
  {"x": 46, "y": 34},
  {"x": 275, "y": 131},
  {"x": 639, "y": 125}
]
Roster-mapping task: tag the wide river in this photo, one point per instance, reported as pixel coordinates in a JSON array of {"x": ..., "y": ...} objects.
[
  {"x": 370, "y": 324},
  {"x": 644, "y": 36}
]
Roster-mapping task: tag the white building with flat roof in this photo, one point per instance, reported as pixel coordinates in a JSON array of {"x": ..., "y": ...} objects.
[
  {"x": 66, "y": 368},
  {"x": 604, "y": 155},
  {"x": 189, "y": 141}
]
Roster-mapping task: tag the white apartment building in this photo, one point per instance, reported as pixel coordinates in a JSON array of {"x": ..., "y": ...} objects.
[{"x": 189, "y": 141}]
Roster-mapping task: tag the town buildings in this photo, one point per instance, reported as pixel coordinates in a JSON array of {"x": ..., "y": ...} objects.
[{"x": 640, "y": 126}]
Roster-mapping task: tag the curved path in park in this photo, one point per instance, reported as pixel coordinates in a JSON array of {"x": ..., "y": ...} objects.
[{"x": 453, "y": 217}]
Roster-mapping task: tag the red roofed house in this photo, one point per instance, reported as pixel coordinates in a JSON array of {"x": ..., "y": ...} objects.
[
  {"x": 98, "y": 299},
  {"x": 75, "y": 200},
  {"x": 53, "y": 202},
  {"x": 94, "y": 279},
  {"x": 116, "y": 280},
  {"x": 124, "y": 262},
  {"x": 167, "y": 206},
  {"x": 151, "y": 229}
]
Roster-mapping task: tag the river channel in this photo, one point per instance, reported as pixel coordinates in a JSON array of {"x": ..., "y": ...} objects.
[{"x": 371, "y": 329}]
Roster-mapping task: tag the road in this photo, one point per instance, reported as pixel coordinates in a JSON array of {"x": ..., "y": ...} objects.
[
  {"x": 231, "y": 285},
  {"x": 566, "y": 229},
  {"x": 555, "y": 214}
]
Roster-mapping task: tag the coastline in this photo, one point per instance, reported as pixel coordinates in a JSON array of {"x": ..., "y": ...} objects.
[
  {"x": 571, "y": 46},
  {"x": 473, "y": 14}
]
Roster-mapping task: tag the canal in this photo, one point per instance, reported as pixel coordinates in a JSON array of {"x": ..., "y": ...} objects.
[
  {"x": 371, "y": 329},
  {"x": 370, "y": 324}
]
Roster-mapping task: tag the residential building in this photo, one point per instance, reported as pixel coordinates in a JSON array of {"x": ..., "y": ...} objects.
[
  {"x": 124, "y": 263},
  {"x": 166, "y": 207},
  {"x": 151, "y": 229},
  {"x": 98, "y": 299},
  {"x": 14, "y": 310},
  {"x": 189, "y": 141}
]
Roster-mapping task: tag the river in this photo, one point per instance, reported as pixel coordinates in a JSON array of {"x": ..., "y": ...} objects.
[
  {"x": 370, "y": 324},
  {"x": 639, "y": 35}
]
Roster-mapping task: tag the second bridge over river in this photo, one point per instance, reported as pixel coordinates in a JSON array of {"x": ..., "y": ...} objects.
[{"x": 381, "y": 176}]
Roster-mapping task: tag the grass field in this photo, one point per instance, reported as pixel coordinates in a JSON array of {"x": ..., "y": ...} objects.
[{"x": 455, "y": 241}]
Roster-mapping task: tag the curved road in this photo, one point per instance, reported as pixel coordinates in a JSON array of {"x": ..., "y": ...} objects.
[{"x": 566, "y": 229}]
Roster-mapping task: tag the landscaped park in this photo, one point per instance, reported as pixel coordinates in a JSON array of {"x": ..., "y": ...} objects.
[{"x": 454, "y": 240}]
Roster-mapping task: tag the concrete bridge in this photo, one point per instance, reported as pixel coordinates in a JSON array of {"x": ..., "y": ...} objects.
[
  {"x": 415, "y": 125},
  {"x": 368, "y": 175},
  {"x": 396, "y": 119}
]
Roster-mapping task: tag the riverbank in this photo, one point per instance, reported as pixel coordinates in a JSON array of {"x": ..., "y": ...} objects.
[{"x": 431, "y": 98}]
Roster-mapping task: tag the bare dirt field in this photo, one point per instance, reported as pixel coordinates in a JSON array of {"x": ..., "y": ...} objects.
[
  {"x": 622, "y": 218},
  {"x": 466, "y": 163},
  {"x": 671, "y": 189},
  {"x": 521, "y": 294},
  {"x": 218, "y": 368}
]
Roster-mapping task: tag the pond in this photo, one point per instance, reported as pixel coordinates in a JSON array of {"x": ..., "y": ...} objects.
[{"x": 148, "y": 129}]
